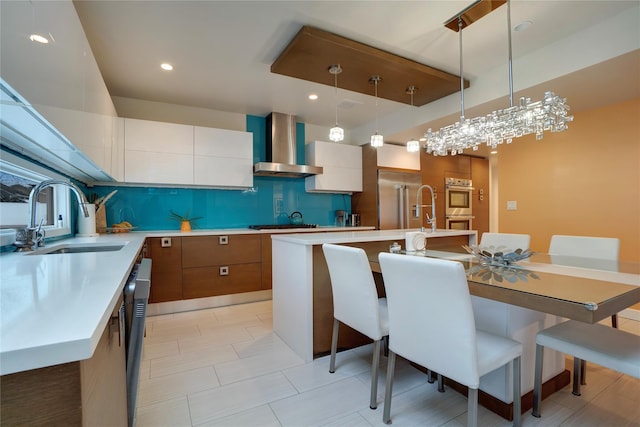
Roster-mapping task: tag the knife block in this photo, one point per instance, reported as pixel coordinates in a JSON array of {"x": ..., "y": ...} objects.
[{"x": 101, "y": 220}]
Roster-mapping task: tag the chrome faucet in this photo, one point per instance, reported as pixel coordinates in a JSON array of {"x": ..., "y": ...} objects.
[
  {"x": 430, "y": 220},
  {"x": 33, "y": 198}
]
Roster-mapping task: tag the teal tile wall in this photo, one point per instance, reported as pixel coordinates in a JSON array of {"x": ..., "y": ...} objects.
[{"x": 270, "y": 201}]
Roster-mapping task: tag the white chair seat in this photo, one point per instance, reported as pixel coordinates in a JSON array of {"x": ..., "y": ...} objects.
[
  {"x": 609, "y": 347},
  {"x": 495, "y": 351}
]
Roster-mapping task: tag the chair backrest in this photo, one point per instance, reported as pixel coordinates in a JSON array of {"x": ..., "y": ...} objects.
[
  {"x": 502, "y": 241},
  {"x": 430, "y": 315},
  {"x": 606, "y": 248},
  {"x": 355, "y": 297}
]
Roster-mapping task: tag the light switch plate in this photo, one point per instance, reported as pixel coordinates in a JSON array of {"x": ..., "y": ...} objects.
[{"x": 512, "y": 205}]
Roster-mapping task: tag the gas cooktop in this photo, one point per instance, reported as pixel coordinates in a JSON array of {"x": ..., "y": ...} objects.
[{"x": 281, "y": 226}]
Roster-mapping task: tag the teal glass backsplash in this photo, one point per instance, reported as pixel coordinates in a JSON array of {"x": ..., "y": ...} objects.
[{"x": 270, "y": 201}]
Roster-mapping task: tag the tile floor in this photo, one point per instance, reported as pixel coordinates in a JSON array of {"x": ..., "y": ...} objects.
[{"x": 226, "y": 367}]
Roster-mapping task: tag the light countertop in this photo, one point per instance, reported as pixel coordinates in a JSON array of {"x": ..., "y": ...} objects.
[
  {"x": 365, "y": 236},
  {"x": 54, "y": 308}
]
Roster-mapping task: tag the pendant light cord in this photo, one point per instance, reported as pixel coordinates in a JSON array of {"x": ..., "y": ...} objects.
[
  {"x": 461, "y": 73},
  {"x": 510, "y": 54}
]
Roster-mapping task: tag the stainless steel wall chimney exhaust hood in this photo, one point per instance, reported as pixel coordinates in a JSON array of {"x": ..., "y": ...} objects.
[{"x": 281, "y": 150}]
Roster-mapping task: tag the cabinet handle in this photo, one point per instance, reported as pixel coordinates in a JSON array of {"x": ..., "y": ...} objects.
[
  {"x": 224, "y": 270},
  {"x": 117, "y": 325},
  {"x": 223, "y": 240}
]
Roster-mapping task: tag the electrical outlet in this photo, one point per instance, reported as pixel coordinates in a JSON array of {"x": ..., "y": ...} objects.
[{"x": 512, "y": 205}]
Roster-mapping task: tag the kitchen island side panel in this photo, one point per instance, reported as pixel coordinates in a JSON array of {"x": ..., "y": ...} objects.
[{"x": 292, "y": 296}]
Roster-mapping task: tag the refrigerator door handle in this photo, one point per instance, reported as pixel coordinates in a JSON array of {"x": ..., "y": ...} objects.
[
  {"x": 407, "y": 205},
  {"x": 400, "y": 197}
]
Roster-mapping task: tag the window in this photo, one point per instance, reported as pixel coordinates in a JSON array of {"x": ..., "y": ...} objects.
[{"x": 17, "y": 178}]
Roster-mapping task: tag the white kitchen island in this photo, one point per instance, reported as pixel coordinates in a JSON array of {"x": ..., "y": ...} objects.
[{"x": 302, "y": 304}]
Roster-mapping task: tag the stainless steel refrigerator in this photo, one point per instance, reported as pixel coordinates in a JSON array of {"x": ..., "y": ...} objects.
[{"x": 397, "y": 199}]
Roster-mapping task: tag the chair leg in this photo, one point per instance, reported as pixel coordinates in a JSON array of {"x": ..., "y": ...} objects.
[
  {"x": 440, "y": 384},
  {"x": 537, "y": 383},
  {"x": 430, "y": 378},
  {"x": 576, "y": 376},
  {"x": 583, "y": 372},
  {"x": 334, "y": 346},
  {"x": 373, "y": 404},
  {"x": 517, "y": 409},
  {"x": 385, "y": 349},
  {"x": 472, "y": 407},
  {"x": 391, "y": 366},
  {"x": 614, "y": 321}
]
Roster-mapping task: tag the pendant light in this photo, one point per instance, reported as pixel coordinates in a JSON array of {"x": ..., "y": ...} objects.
[
  {"x": 336, "y": 133},
  {"x": 413, "y": 145},
  {"x": 549, "y": 114},
  {"x": 376, "y": 139}
]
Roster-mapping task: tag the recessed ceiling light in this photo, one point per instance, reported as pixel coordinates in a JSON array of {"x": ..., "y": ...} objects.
[
  {"x": 38, "y": 38},
  {"x": 494, "y": 152},
  {"x": 166, "y": 66},
  {"x": 313, "y": 97},
  {"x": 522, "y": 26}
]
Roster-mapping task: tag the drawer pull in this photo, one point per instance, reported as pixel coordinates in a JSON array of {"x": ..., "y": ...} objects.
[
  {"x": 224, "y": 270},
  {"x": 223, "y": 240}
]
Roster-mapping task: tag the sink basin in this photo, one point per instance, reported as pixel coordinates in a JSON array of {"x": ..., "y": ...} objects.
[{"x": 78, "y": 248}]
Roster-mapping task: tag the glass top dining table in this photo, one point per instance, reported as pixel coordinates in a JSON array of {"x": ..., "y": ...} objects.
[{"x": 587, "y": 290}]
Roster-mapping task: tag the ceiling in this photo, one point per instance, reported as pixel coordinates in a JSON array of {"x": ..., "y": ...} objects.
[{"x": 222, "y": 52}]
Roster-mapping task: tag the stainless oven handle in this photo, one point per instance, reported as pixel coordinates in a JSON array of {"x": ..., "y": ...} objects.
[
  {"x": 460, "y": 217},
  {"x": 459, "y": 188}
]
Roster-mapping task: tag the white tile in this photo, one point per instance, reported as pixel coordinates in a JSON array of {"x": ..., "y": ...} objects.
[
  {"x": 253, "y": 366},
  {"x": 262, "y": 416},
  {"x": 351, "y": 420},
  {"x": 238, "y": 397},
  {"x": 422, "y": 405},
  {"x": 155, "y": 350},
  {"x": 176, "y": 385},
  {"x": 216, "y": 337},
  {"x": 191, "y": 360},
  {"x": 322, "y": 405},
  {"x": 169, "y": 413},
  {"x": 261, "y": 345}
]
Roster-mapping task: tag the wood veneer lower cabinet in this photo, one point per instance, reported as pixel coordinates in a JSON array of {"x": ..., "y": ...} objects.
[
  {"x": 90, "y": 392},
  {"x": 166, "y": 269},
  {"x": 221, "y": 265}
]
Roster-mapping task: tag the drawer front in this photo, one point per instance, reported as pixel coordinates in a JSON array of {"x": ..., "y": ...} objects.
[
  {"x": 209, "y": 251},
  {"x": 165, "y": 259},
  {"x": 216, "y": 280}
]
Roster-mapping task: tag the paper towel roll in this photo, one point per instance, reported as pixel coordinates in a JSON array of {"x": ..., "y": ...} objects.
[
  {"x": 87, "y": 225},
  {"x": 415, "y": 241}
]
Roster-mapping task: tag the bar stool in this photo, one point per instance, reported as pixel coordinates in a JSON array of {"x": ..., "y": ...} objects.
[
  {"x": 441, "y": 335},
  {"x": 356, "y": 303}
]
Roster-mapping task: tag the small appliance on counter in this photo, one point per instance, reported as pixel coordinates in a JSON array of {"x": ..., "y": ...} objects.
[{"x": 341, "y": 218}]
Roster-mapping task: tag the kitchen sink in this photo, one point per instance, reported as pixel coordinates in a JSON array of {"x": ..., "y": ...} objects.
[{"x": 78, "y": 248}]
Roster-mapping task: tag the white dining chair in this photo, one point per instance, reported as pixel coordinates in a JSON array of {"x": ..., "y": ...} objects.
[
  {"x": 505, "y": 241},
  {"x": 431, "y": 323},
  {"x": 356, "y": 303},
  {"x": 601, "y": 248},
  {"x": 609, "y": 347}
]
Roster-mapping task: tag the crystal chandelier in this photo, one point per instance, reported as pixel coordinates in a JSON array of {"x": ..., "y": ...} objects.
[
  {"x": 413, "y": 145},
  {"x": 336, "y": 133},
  {"x": 549, "y": 114},
  {"x": 376, "y": 139}
]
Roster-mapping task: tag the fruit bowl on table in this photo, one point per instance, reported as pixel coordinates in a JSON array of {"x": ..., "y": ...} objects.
[{"x": 498, "y": 256}]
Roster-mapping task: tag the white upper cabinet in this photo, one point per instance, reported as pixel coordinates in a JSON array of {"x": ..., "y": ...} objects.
[
  {"x": 157, "y": 152},
  {"x": 223, "y": 157},
  {"x": 341, "y": 165},
  {"x": 169, "y": 153},
  {"x": 397, "y": 156}
]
